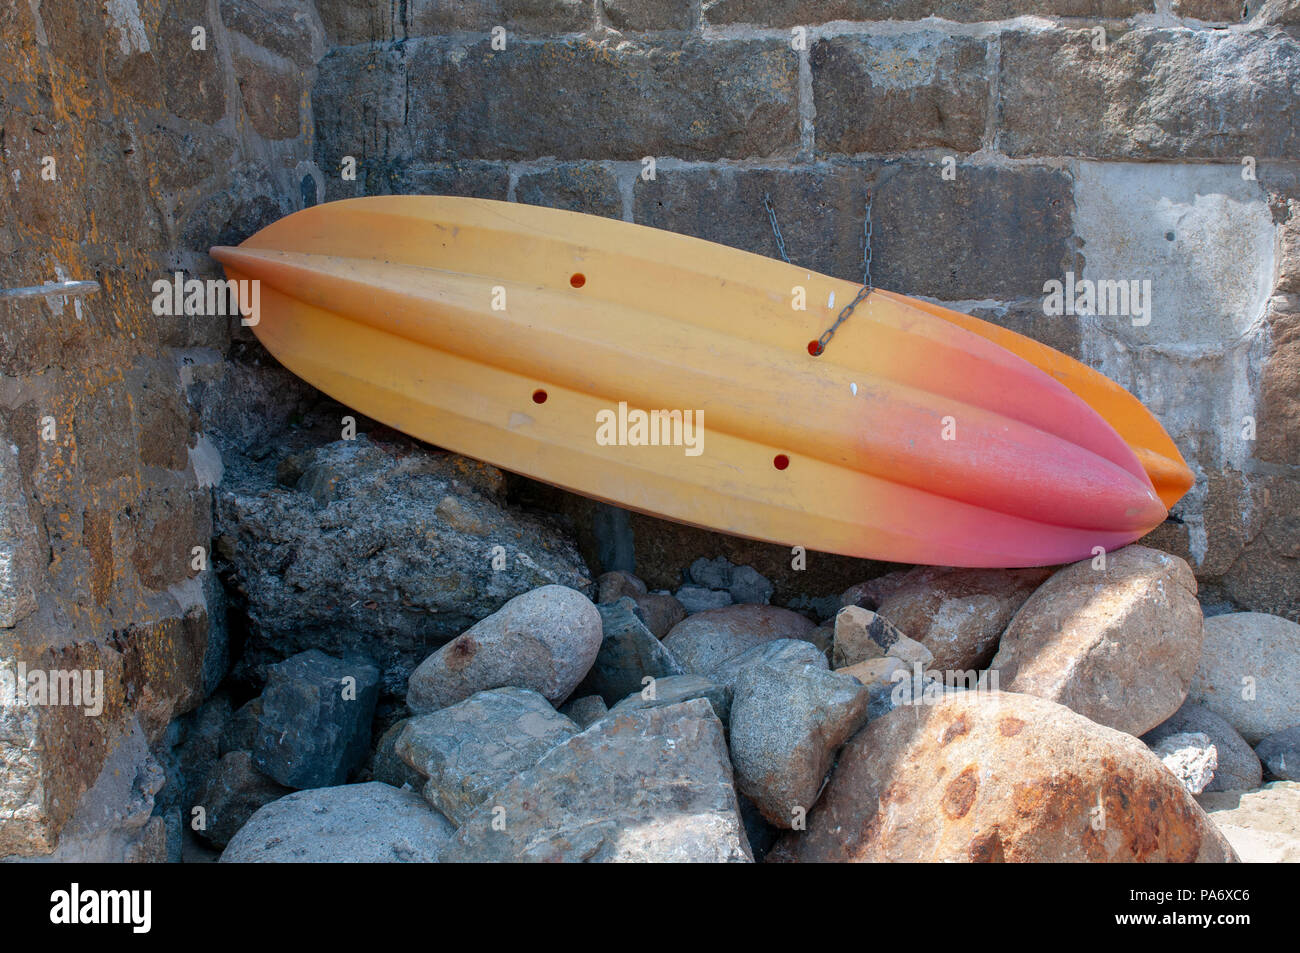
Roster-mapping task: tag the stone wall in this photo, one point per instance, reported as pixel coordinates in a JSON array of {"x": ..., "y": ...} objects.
[
  {"x": 134, "y": 134},
  {"x": 1006, "y": 143}
]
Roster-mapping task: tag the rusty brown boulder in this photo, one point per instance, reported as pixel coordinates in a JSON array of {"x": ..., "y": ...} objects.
[{"x": 998, "y": 776}]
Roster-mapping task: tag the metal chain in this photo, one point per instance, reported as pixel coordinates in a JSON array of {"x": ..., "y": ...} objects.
[
  {"x": 865, "y": 290},
  {"x": 776, "y": 229},
  {"x": 866, "y": 243}
]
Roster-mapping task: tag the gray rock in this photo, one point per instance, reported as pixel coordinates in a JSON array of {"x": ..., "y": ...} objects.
[
  {"x": 703, "y": 641},
  {"x": 385, "y": 549},
  {"x": 629, "y": 652},
  {"x": 660, "y": 611},
  {"x": 314, "y": 727},
  {"x": 788, "y": 653},
  {"x": 652, "y": 785},
  {"x": 786, "y": 725},
  {"x": 698, "y": 599},
  {"x": 545, "y": 640},
  {"x": 585, "y": 711},
  {"x": 240, "y": 733},
  {"x": 388, "y": 766},
  {"x": 612, "y": 586},
  {"x": 1280, "y": 753},
  {"x": 749, "y": 587},
  {"x": 1117, "y": 645},
  {"x": 368, "y": 823},
  {"x": 1262, "y": 648},
  {"x": 711, "y": 573},
  {"x": 1239, "y": 768},
  {"x": 676, "y": 689},
  {"x": 470, "y": 749},
  {"x": 1191, "y": 757},
  {"x": 234, "y": 792}
]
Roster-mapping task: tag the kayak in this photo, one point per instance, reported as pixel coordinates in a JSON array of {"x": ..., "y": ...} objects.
[{"x": 682, "y": 378}]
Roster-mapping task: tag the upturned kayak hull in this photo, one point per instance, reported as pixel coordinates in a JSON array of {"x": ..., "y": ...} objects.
[{"x": 536, "y": 339}]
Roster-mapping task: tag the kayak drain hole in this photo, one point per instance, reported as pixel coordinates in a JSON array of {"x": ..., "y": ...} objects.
[
  {"x": 780, "y": 461},
  {"x": 539, "y": 397},
  {"x": 577, "y": 279},
  {"x": 815, "y": 348}
]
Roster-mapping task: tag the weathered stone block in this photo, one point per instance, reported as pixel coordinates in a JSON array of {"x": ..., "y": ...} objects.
[
  {"x": 577, "y": 187},
  {"x": 988, "y": 233},
  {"x": 820, "y": 211},
  {"x": 637, "y": 15},
  {"x": 287, "y": 28},
  {"x": 733, "y": 98},
  {"x": 895, "y": 93},
  {"x": 377, "y": 21},
  {"x": 193, "y": 87},
  {"x": 809, "y": 12},
  {"x": 271, "y": 96},
  {"x": 392, "y": 176},
  {"x": 1152, "y": 93}
]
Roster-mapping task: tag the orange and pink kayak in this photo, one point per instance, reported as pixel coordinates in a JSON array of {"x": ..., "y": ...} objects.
[{"x": 675, "y": 377}]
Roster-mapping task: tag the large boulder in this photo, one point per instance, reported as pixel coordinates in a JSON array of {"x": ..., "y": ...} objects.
[
  {"x": 703, "y": 641},
  {"x": 545, "y": 640},
  {"x": 629, "y": 653},
  {"x": 470, "y": 749},
  {"x": 786, "y": 725},
  {"x": 995, "y": 776},
  {"x": 1117, "y": 645},
  {"x": 313, "y": 728},
  {"x": 958, "y": 614},
  {"x": 383, "y": 547},
  {"x": 1262, "y": 826},
  {"x": 1247, "y": 672},
  {"x": 369, "y": 823},
  {"x": 1238, "y": 765},
  {"x": 650, "y": 785}
]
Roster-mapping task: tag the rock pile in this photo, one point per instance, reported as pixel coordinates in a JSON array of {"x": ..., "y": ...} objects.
[{"x": 557, "y": 728}]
